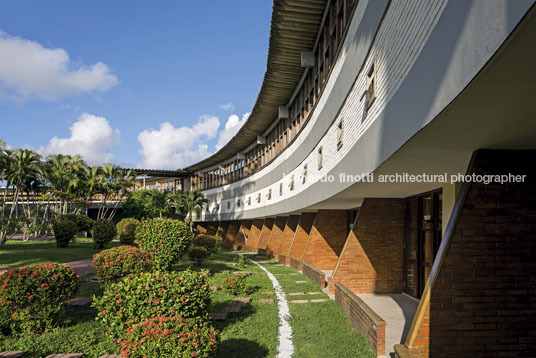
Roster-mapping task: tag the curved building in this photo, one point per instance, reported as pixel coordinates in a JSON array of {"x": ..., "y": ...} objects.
[{"x": 389, "y": 156}]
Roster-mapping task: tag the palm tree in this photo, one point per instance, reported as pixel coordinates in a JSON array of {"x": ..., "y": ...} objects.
[{"x": 190, "y": 202}]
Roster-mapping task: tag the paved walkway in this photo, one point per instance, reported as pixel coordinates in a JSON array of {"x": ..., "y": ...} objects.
[
  {"x": 81, "y": 267},
  {"x": 286, "y": 347},
  {"x": 397, "y": 310}
]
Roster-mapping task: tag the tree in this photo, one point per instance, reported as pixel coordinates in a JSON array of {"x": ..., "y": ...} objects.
[{"x": 188, "y": 203}]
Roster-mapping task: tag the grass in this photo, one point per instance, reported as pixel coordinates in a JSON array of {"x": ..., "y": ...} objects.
[
  {"x": 18, "y": 253},
  {"x": 319, "y": 329}
]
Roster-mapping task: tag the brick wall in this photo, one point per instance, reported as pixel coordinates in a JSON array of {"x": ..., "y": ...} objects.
[
  {"x": 201, "y": 228},
  {"x": 265, "y": 233},
  {"x": 314, "y": 275},
  {"x": 300, "y": 238},
  {"x": 371, "y": 261},
  {"x": 283, "y": 259},
  {"x": 230, "y": 236},
  {"x": 276, "y": 236},
  {"x": 288, "y": 236},
  {"x": 326, "y": 239},
  {"x": 254, "y": 234},
  {"x": 483, "y": 302},
  {"x": 363, "y": 318},
  {"x": 240, "y": 242}
]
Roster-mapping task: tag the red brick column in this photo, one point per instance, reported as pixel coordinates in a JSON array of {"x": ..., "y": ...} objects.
[
  {"x": 326, "y": 239},
  {"x": 254, "y": 235},
  {"x": 288, "y": 236},
  {"x": 212, "y": 228},
  {"x": 300, "y": 239},
  {"x": 265, "y": 233},
  {"x": 230, "y": 236},
  {"x": 371, "y": 261},
  {"x": 222, "y": 229},
  {"x": 243, "y": 232},
  {"x": 276, "y": 236},
  {"x": 201, "y": 228}
]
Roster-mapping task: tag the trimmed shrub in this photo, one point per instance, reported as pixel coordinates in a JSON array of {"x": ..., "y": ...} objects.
[
  {"x": 104, "y": 231},
  {"x": 126, "y": 229},
  {"x": 35, "y": 296},
  {"x": 167, "y": 239},
  {"x": 207, "y": 242},
  {"x": 219, "y": 242},
  {"x": 146, "y": 295},
  {"x": 170, "y": 337},
  {"x": 235, "y": 285},
  {"x": 197, "y": 254},
  {"x": 118, "y": 262},
  {"x": 64, "y": 231},
  {"x": 83, "y": 222}
]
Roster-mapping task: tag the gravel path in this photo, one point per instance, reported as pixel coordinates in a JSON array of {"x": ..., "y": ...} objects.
[{"x": 81, "y": 267}]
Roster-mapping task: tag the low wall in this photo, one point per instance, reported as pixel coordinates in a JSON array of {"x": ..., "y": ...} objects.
[
  {"x": 363, "y": 318},
  {"x": 314, "y": 274},
  {"x": 295, "y": 264},
  {"x": 282, "y": 259}
]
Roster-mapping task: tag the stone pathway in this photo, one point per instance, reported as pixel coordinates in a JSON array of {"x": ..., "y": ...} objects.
[
  {"x": 286, "y": 347},
  {"x": 308, "y": 301},
  {"x": 232, "y": 307}
]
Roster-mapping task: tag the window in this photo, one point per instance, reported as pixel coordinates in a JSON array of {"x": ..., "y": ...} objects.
[
  {"x": 249, "y": 200},
  {"x": 320, "y": 158},
  {"x": 370, "y": 87},
  {"x": 304, "y": 174},
  {"x": 259, "y": 198},
  {"x": 238, "y": 203},
  {"x": 280, "y": 189},
  {"x": 291, "y": 184},
  {"x": 228, "y": 205},
  {"x": 269, "y": 195},
  {"x": 340, "y": 134}
]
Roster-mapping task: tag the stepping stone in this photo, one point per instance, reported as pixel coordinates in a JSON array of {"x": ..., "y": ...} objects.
[
  {"x": 80, "y": 302},
  {"x": 266, "y": 300},
  {"x": 301, "y": 281},
  {"x": 218, "y": 316},
  {"x": 242, "y": 273},
  {"x": 298, "y": 301},
  {"x": 267, "y": 293},
  {"x": 66, "y": 355},
  {"x": 296, "y": 294},
  {"x": 13, "y": 354},
  {"x": 319, "y": 300},
  {"x": 111, "y": 356},
  {"x": 243, "y": 299},
  {"x": 314, "y": 293},
  {"x": 214, "y": 288}
]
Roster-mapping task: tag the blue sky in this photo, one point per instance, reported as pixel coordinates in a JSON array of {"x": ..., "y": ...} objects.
[{"x": 108, "y": 79}]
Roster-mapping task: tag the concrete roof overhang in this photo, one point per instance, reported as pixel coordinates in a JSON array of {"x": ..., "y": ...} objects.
[{"x": 294, "y": 28}]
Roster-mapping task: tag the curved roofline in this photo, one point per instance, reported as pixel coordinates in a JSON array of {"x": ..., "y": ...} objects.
[{"x": 293, "y": 30}]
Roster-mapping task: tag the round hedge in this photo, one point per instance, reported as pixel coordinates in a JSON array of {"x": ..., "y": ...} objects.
[
  {"x": 64, "y": 231},
  {"x": 104, "y": 231},
  {"x": 113, "y": 264},
  {"x": 167, "y": 239},
  {"x": 126, "y": 229},
  {"x": 83, "y": 222},
  {"x": 146, "y": 295},
  {"x": 34, "y": 296},
  {"x": 172, "y": 337}
]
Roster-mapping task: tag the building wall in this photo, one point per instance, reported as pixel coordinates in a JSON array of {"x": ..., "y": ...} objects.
[
  {"x": 300, "y": 238},
  {"x": 276, "y": 236},
  {"x": 288, "y": 236}
]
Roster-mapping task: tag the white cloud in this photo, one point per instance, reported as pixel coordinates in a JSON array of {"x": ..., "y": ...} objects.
[
  {"x": 92, "y": 138},
  {"x": 30, "y": 70},
  {"x": 173, "y": 148},
  {"x": 234, "y": 123},
  {"x": 227, "y": 106}
]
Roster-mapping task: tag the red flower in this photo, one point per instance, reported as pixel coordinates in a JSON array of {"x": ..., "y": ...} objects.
[
  {"x": 36, "y": 273},
  {"x": 30, "y": 298},
  {"x": 44, "y": 284}
]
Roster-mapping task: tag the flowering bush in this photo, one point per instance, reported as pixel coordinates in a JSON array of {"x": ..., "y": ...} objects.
[
  {"x": 235, "y": 285},
  {"x": 104, "y": 231},
  {"x": 112, "y": 264},
  {"x": 146, "y": 295},
  {"x": 208, "y": 242},
  {"x": 170, "y": 337},
  {"x": 126, "y": 229},
  {"x": 83, "y": 222},
  {"x": 166, "y": 239},
  {"x": 64, "y": 231},
  {"x": 35, "y": 296}
]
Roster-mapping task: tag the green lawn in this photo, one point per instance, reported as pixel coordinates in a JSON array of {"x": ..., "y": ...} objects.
[
  {"x": 18, "y": 253},
  {"x": 319, "y": 329}
]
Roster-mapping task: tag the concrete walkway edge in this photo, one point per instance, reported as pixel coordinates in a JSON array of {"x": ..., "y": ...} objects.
[{"x": 286, "y": 347}]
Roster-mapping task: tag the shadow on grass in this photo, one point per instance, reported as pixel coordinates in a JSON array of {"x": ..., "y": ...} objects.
[
  {"x": 241, "y": 348},
  {"x": 232, "y": 318}
]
